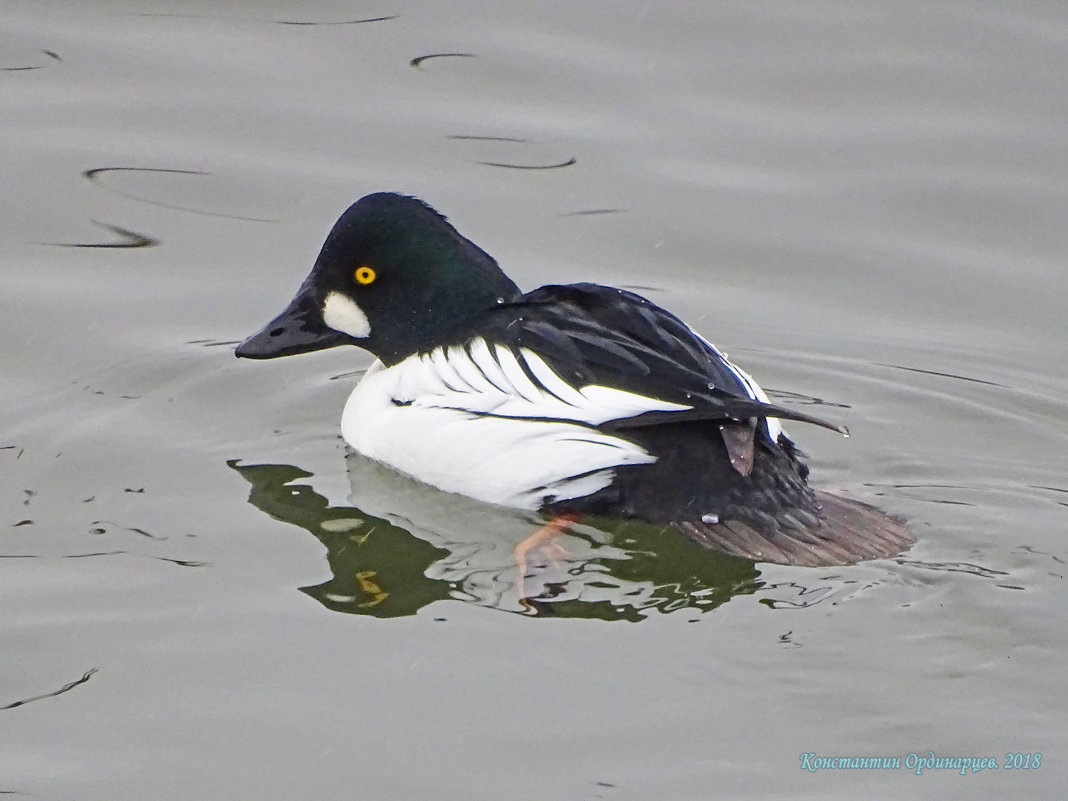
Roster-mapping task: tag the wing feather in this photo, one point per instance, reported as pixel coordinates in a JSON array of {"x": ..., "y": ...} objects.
[
  {"x": 587, "y": 354},
  {"x": 590, "y": 335}
]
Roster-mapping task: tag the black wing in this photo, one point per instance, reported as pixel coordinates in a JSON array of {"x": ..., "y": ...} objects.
[{"x": 590, "y": 334}]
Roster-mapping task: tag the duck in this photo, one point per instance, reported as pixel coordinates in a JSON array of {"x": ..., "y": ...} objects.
[{"x": 576, "y": 401}]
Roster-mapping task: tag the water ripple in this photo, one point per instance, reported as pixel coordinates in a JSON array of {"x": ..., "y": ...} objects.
[
  {"x": 955, "y": 567},
  {"x": 95, "y": 174},
  {"x": 418, "y": 60},
  {"x": 50, "y": 53},
  {"x": 267, "y": 21},
  {"x": 130, "y": 239},
  {"x": 800, "y": 399},
  {"x": 506, "y": 165},
  {"x": 472, "y": 138},
  {"x": 65, "y": 688},
  {"x": 344, "y": 22},
  {"x": 591, "y": 212},
  {"x": 941, "y": 375}
]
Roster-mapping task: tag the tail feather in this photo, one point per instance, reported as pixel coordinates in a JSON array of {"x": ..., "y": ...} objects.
[{"x": 846, "y": 531}]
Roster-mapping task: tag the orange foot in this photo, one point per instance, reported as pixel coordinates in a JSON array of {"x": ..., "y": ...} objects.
[{"x": 545, "y": 541}]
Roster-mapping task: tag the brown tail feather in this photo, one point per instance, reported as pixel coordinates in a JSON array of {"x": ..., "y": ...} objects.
[{"x": 847, "y": 531}]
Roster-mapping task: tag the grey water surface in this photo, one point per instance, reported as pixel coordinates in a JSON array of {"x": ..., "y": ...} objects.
[{"x": 204, "y": 596}]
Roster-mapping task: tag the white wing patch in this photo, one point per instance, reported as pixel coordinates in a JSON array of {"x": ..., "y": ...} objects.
[{"x": 499, "y": 382}]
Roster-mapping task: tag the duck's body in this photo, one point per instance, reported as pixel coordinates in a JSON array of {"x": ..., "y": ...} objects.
[{"x": 568, "y": 399}]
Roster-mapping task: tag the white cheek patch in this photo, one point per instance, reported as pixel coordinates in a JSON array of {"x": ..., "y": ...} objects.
[{"x": 341, "y": 313}]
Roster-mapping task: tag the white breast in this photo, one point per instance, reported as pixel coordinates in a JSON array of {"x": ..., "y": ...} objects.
[{"x": 476, "y": 424}]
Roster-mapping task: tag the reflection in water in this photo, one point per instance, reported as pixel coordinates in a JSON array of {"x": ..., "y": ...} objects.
[
  {"x": 403, "y": 545},
  {"x": 378, "y": 568}
]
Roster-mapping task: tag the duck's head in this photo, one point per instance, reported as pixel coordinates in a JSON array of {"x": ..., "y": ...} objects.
[{"x": 393, "y": 277}]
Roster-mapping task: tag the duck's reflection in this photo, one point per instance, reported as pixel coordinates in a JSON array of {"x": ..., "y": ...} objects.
[{"x": 402, "y": 545}]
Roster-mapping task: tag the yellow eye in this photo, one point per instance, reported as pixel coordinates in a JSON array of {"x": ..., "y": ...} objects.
[{"x": 365, "y": 275}]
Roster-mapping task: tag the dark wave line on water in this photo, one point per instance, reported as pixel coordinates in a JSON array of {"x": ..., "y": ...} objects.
[
  {"x": 955, "y": 567},
  {"x": 93, "y": 175},
  {"x": 181, "y": 562},
  {"x": 567, "y": 163},
  {"x": 90, "y": 388},
  {"x": 803, "y": 597},
  {"x": 171, "y": 560},
  {"x": 1052, "y": 489},
  {"x": 804, "y": 400},
  {"x": 348, "y": 374},
  {"x": 131, "y": 239},
  {"x": 213, "y": 343},
  {"x": 418, "y": 60},
  {"x": 941, "y": 375},
  {"x": 929, "y": 486},
  {"x": 512, "y": 166},
  {"x": 268, "y": 21},
  {"x": 470, "y": 138},
  {"x": 345, "y": 22},
  {"x": 98, "y": 527},
  {"x": 61, "y": 556},
  {"x": 50, "y": 53},
  {"x": 1044, "y": 493},
  {"x": 592, "y": 212},
  {"x": 1037, "y": 552},
  {"x": 65, "y": 688}
]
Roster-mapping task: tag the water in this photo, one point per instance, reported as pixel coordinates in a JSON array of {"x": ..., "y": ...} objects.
[{"x": 863, "y": 204}]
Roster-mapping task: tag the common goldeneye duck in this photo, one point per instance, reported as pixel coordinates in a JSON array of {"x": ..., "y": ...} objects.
[{"x": 570, "y": 400}]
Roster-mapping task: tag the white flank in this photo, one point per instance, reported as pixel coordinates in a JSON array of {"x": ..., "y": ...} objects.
[
  {"x": 341, "y": 313},
  {"x": 492, "y": 423},
  {"x": 434, "y": 425}
]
